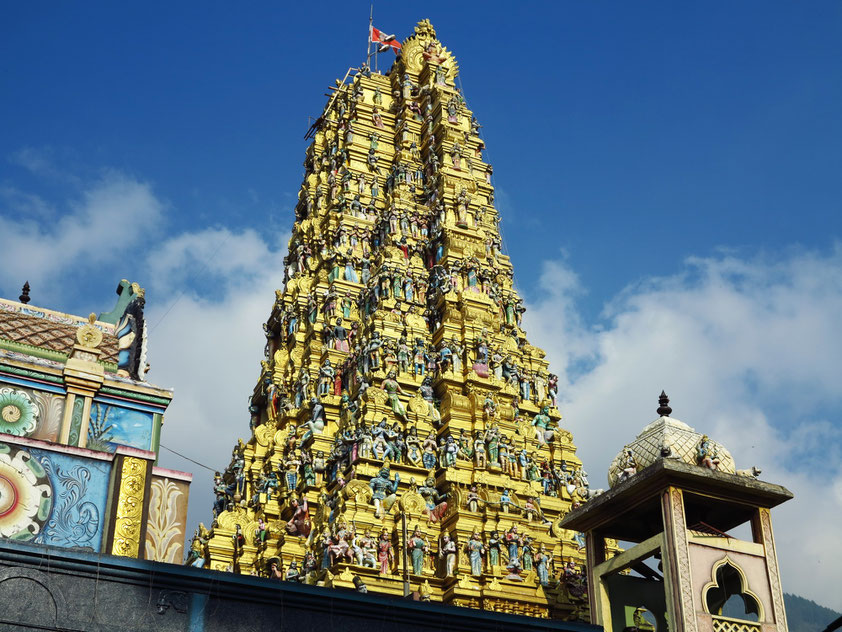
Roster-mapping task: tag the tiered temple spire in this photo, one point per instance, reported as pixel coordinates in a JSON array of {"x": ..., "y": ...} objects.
[{"x": 404, "y": 432}]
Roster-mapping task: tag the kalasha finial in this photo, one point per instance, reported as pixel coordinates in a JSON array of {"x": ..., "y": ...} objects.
[
  {"x": 664, "y": 409},
  {"x": 24, "y": 297}
]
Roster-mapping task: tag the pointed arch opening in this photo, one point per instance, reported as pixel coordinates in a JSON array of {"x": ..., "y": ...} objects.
[{"x": 728, "y": 594}]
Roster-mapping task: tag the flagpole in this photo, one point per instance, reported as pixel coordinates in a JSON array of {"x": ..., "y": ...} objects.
[{"x": 368, "y": 44}]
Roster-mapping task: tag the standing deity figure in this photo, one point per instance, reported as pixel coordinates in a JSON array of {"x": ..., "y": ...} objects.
[
  {"x": 540, "y": 383},
  {"x": 453, "y": 110},
  {"x": 429, "y": 447},
  {"x": 482, "y": 352},
  {"x": 417, "y": 549},
  {"x": 526, "y": 553},
  {"x": 497, "y": 364},
  {"x": 466, "y": 445},
  {"x": 366, "y": 443},
  {"x": 377, "y": 119},
  {"x": 326, "y": 375},
  {"x": 403, "y": 355},
  {"x": 426, "y": 390},
  {"x": 418, "y": 362},
  {"x": 542, "y": 565},
  {"x": 384, "y": 490},
  {"x": 475, "y": 549},
  {"x": 513, "y": 541},
  {"x": 271, "y": 392},
  {"x": 451, "y": 449},
  {"x": 393, "y": 389},
  {"x": 472, "y": 501},
  {"x": 492, "y": 440},
  {"x": 494, "y": 548},
  {"x": 526, "y": 386},
  {"x": 413, "y": 447},
  {"x": 447, "y": 555},
  {"x": 373, "y": 351},
  {"x": 340, "y": 335},
  {"x": 479, "y": 449},
  {"x": 462, "y": 202},
  {"x": 456, "y": 356},
  {"x": 504, "y": 454},
  {"x": 291, "y": 465},
  {"x": 384, "y": 552},
  {"x": 505, "y": 500}
]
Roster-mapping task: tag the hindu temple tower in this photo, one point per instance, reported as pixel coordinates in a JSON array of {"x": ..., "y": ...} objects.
[{"x": 403, "y": 431}]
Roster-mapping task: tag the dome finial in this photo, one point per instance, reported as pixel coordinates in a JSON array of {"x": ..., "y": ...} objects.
[
  {"x": 664, "y": 409},
  {"x": 24, "y": 297}
]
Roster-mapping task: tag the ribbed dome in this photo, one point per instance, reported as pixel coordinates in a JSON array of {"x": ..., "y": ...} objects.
[{"x": 667, "y": 437}]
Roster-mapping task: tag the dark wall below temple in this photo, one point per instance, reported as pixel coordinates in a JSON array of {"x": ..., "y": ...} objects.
[{"x": 45, "y": 588}]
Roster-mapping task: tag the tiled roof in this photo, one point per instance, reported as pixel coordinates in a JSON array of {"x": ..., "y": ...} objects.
[{"x": 45, "y": 332}]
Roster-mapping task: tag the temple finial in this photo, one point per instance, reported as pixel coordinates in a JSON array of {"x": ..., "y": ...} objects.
[
  {"x": 664, "y": 409},
  {"x": 425, "y": 29},
  {"x": 24, "y": 296}
]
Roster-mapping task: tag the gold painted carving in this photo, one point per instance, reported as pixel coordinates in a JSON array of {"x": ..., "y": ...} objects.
[
  {"x": 127, "y": 521},
  {"x": 88, "y": 335}
]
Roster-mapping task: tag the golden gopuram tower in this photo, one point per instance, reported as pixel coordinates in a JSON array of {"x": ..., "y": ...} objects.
[{"x": 404, "y": 433}]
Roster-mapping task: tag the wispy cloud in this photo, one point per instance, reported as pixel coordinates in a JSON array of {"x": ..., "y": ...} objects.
[
  {"x": 749, "y": 351},
  {"x": 40, "y": 161},
  {"x": 99, "y": 226}
]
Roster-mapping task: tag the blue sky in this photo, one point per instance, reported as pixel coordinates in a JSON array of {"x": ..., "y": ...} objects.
[{"x": 668, "y": 175}]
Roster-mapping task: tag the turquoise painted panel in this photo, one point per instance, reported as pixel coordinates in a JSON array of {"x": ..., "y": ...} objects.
[
  {"x": 111, "y": 426},
  {"x": 79, "y": 495}
]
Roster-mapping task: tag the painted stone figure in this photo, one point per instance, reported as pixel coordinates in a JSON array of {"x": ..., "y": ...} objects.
[
  {"x": 513, "y": 542},
  {"x": 494, "y": 548},
  {"x": 447, "y": 555},
  {"x": 417, "y": 548},
  {"x": 384, "y": 552},
  {"x": 384, "y": 489},
  {"x": 393, "y": 389},
  {"x": 476, "y": 549},
  {"x": 542, "y": 565},
  {"x": 435, "y": 501}
]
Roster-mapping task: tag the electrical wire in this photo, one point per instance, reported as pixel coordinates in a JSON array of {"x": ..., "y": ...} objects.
[{"x": 187, "y": 458}]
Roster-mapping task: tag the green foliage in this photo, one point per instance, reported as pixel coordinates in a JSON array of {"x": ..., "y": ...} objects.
[{"x": 804, "y": 615}]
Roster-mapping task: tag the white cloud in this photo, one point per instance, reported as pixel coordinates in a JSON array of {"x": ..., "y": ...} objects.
[
  {"x": 207, "y": 343},
  {"x": 102, "y": 226},
  {"x": 749, "y": 351}
]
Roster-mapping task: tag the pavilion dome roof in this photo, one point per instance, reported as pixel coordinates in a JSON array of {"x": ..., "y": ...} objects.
[{"x": 667, "y": 437}]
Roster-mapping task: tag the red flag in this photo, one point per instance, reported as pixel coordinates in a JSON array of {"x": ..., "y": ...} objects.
[{"x": 386, "y": 41}]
